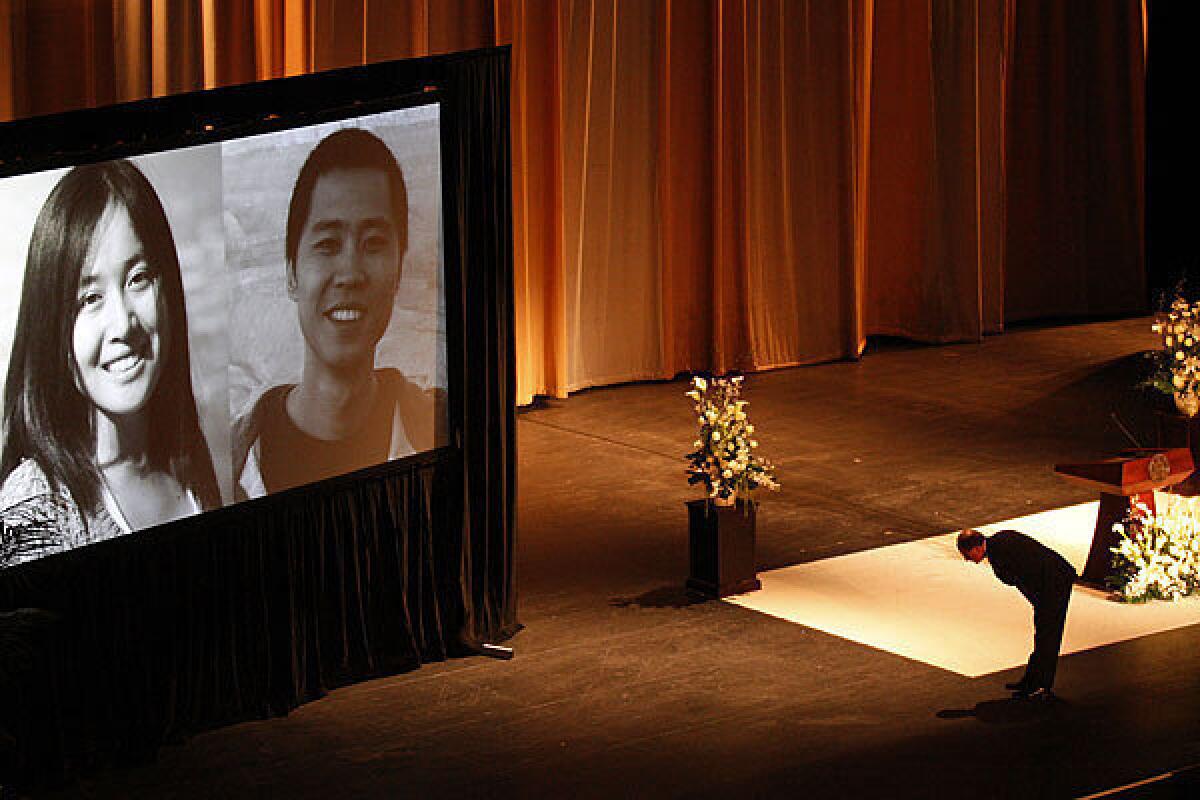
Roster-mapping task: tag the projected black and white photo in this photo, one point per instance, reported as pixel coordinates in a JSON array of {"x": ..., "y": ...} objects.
[
  {"x": 183, "y": 330},
  {"x": 111, "y": 327},
  {"x": 337, "y": 352}
]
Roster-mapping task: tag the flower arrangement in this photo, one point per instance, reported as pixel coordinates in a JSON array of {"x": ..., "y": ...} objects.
[
  {"x": 724, "y": 459},
  {"x": 1158, "y": 556},
  {"x": 1176, "y": 364}
]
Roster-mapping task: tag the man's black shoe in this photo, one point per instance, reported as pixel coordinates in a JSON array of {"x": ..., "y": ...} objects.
[{"x": 1034, "y": 693}]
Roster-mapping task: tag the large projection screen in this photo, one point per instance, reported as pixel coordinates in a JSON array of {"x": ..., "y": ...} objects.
[{"x": 190, "y": 328}]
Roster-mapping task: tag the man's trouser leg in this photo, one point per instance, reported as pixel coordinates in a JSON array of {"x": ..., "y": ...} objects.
[{"x": 1049, "y": 619}]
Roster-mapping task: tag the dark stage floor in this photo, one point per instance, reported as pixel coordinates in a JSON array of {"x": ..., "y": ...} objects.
[{"x": 622, "y": 688}]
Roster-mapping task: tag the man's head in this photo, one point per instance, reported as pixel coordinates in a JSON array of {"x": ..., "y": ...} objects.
[
  {"x": 347, "y": 231},
  {"x": 973, "y": 545}
]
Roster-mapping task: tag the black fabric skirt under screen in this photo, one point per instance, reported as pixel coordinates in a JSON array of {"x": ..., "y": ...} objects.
[{"x": 218, "y": 620}]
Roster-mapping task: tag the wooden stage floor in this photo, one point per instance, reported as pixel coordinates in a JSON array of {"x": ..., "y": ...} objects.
[{"x": 621, "y": 686}]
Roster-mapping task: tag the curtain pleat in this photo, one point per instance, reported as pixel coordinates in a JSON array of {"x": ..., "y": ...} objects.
[
  {"x": 722, "y": 184},
  {"x": 610, "y": 214},
  {"x": 686, "y": 170},
  {"x": 991, "y": 22},
  {"x": 131, "y": 46},
  {"x": 799, "y": 201},
  {"x": 478, "y": 236},
  {"x": 728, "y": 263},
  {"x": 862, "y": 58},
  {"x": 177, "y": 46},
  {"x": 924, "y": 261},
  {"x": 10, "y": 24},
  {"x": 237, "y": 46},
  {"x": 1075, "y": 138},
  {"x": 540, "y": 286}
]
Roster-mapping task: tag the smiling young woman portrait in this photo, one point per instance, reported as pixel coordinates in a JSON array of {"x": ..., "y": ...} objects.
[{"x": 101, "y": 434}]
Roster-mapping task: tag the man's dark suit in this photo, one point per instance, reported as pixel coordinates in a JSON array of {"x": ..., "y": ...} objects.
[{"x": 1045, "y": 578}]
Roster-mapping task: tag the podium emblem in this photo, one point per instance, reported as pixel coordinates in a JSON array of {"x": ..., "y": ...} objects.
[{"x": 1159, "y": 467}]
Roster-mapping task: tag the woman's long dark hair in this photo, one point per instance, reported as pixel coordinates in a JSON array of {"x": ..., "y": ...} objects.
[{"x": 46, "y": 417}]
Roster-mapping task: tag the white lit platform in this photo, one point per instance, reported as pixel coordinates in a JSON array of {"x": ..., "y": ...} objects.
[{"x": 921, "y": 600}]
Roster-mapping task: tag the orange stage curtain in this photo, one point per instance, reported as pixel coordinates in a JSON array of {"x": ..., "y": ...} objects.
[
  {"x": 721, "y": 184},
  {"x": 927, "y": 248},
  {"x": 1076, "y": 143}
]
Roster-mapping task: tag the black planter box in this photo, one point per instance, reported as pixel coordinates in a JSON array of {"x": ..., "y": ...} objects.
[{"x": 721, "y": 549}]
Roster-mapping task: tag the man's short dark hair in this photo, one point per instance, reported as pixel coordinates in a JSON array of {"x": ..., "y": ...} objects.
[
  {"x": 968, "y": 541},
  {"x": 349, "y": 148}
]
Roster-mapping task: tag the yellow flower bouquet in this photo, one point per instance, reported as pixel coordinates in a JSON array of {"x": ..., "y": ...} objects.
[
  {"x": 1176, "y": 364},
  {"x": 724, "y": 459}
]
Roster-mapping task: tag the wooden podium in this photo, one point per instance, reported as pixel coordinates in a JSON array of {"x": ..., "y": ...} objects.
[{"x": 1121, "y": 481}]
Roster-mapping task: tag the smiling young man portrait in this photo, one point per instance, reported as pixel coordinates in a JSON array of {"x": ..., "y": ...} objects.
[{"x": 347, "y": 231}]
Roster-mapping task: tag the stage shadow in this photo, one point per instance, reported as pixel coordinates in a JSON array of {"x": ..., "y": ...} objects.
[
  {"x": 1008, "y": 711},
  {"x": 1108, "y": 390},
  {"x": 663, "y": 597}
]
